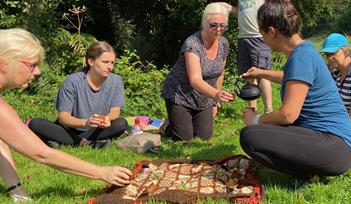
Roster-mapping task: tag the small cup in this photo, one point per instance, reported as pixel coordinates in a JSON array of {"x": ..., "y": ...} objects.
[{"x": 101, "y": 118}]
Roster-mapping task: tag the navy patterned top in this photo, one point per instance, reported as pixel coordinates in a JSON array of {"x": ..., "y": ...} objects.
[{"x": 177, "y": 87}]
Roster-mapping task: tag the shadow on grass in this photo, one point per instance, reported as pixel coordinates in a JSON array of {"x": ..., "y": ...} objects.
[
  {"x": 196, "y": 150},
  {"x": 2, "y": 190},
  {"x": 214, "y": 151},
  {"x": 234, "y": 113},
  {"x": 63, "y": 192},
  {"x": 271, "y": 179}
]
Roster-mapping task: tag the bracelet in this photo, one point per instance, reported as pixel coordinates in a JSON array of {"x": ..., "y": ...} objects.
[
  {"x": 255, "y": 119},
  {"x": 11, "y": 188}
]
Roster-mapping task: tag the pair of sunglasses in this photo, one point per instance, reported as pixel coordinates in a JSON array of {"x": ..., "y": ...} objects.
[
  {"x": 213, "y": 25},
  {"x": 31, "y": 66}
]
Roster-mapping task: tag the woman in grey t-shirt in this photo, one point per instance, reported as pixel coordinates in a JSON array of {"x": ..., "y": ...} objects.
[
  {"x": 88, "y": 104},
  {"x": 192, "y": 90}
]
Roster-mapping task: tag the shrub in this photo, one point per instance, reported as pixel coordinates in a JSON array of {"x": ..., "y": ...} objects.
[
  {"x": 31, "y": 106},
  {"x": 143, "y": 84},
  {"x": 66, "y": 51}
]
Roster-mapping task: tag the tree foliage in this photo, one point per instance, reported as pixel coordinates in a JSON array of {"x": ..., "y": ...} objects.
[
  {"x": 142, "y": 93},
  {"x": 146, "y": 34},
  {"x": 319, "y": 15},
  {"x": 155, "y": 29}
]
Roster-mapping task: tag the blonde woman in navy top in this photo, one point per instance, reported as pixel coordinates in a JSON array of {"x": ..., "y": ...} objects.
[{"x": 193, "y": 89}]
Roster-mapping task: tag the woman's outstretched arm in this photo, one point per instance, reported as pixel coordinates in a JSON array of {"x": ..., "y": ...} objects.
[{"x": 21, "y": 138}]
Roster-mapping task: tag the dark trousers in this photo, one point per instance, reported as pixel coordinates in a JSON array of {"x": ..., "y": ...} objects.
[
  {"x": 185, "y": 123},
  {"x": 297, "y": 151},
  {"x": 48, "y": 131}
]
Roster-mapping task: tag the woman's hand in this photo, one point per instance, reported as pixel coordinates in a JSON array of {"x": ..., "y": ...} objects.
[
  {"x": 253, "y": 72},
  {"x": 94, "y": 121},
  {"x": 222, "y": 96},
  {"x": 249, "y": 114},
  {"x": 105, "y": 123},
  {"x": 215, "y": 109},
  {"x": 115, "y": 175}
]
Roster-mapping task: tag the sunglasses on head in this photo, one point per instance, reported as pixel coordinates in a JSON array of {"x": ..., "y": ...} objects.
[{"x": 213, "y": 25}]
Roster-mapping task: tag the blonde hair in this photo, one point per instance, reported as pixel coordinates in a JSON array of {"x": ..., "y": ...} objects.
[
  {"x": 17, "y": 43},
  {"x": 214, "y": 9}
]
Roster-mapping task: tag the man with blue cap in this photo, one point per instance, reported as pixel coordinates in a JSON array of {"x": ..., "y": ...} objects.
[{"x": 337, "y": 53}]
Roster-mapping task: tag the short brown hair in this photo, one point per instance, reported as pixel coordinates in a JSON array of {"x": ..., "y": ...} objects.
[
  {"x": 280, "y": 14},
  {"x": 96, "y": 49}
]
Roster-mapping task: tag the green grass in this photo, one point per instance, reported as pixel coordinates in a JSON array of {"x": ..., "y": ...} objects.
[{"x": 47, "y": 185}]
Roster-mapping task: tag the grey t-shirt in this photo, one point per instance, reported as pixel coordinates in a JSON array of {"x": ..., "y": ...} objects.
[
  {"x": 247, "y": 18},
  {"x": 177, "y": 87},
  {"x": 76, "y": 96}
]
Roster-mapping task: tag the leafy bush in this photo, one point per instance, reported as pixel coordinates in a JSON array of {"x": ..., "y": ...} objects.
[
  {"x": 143, "y": 84},
  {"x": 47, "y": 84},
  {"x": 344, "y": 20},
  {"x": 8, "y": 10},
  {"x": 319, "y": 16},
  {"x": 31, "y": 106},
  {"x": 231, "y": 66},
  {"x": 66, "y": 51},
  {"x": 278, "y": 60}
]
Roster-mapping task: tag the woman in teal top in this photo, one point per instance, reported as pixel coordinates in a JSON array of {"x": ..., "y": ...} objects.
[{"x": 310, "y": 134}]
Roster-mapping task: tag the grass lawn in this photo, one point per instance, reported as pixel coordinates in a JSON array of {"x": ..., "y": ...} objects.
[{"x": 47, "y": 185}]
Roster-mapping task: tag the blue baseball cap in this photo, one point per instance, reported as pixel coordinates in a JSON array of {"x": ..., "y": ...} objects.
[{"x": 334, "y": 42}]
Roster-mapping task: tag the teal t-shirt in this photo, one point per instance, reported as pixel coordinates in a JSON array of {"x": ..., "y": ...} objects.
[{"x": 323, "y": 109}]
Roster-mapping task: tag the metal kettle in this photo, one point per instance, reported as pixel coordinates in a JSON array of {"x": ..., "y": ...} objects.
[{"x": 248, "y": 91}]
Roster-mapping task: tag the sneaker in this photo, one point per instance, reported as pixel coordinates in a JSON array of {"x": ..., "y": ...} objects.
[
  {"x": 99, "y": 144},
  {"x": 268, "y": 110},
  {"x": 155, "y": 150},
  {"x": 17, "y": 193},
  {"x": 53, "y": 144},
  {"x": 163, "y": 127},
  {"x": 84, "y": 142},
  {"x": 20, "y": 198}
]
